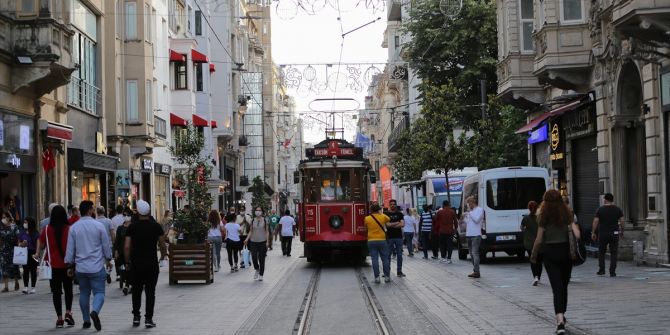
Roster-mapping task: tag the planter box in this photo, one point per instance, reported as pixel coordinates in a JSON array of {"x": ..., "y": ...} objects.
[{"x": 191, "y": 262}]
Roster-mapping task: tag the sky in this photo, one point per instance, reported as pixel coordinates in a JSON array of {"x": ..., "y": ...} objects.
[{"x": 300, "y": 39}]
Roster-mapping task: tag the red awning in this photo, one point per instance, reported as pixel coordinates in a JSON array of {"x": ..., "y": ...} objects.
[
  {"x": 212, "y": 67},
  {"x": 59, "y": 131},
  {"x": 177, "y": 121},
  {"x": 176, "y": 57},
  {"x": 198, "y": 57},
  {"x": 199, "y": 121},
  {"x": 213, "y": 123},
  {"x": 534, "y": 123}
]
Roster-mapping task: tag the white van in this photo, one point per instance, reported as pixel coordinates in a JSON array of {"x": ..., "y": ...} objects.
[{"x": 504, "y": 194}]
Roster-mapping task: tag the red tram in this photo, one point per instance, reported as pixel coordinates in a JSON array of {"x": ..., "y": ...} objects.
[{"x": 335, "y": 181}]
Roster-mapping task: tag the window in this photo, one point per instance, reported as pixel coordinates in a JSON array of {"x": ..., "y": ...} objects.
[
  {"x": 180, "y": 76},
  {"x": 160, "y": 127},
  {"x": 334, "y": 185},
  {"x": 26, "y": 7},
  {"x": 513, "y": 193},
  {"x": 131, "y": 101},
  {"x": 131, "y": 21},
  {"x": 172, "y": 15},
  {"x": 147, "y": 24},
  {"x": 541, "y": 12},
  {"x": 199, "y": 84},
  {"x": 118, "y": 96},
  {"x": 396, "y": 42},
  {"x": 188, "y": 19},
  {"x": 83, "y": 92},
  {"x": 526, "y": 24},
  {"x": 119, "y": 17},
  {"x": 198, "y": 22},
  {"x": 571, "y": 10},
  {"x": 149, "y": 97}
]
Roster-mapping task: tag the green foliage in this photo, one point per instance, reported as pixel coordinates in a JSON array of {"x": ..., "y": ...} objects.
[
  {"x": 258, "y": 196},
  {"x": 187, "y": 151},
  {"x": 451, "y": 56}
]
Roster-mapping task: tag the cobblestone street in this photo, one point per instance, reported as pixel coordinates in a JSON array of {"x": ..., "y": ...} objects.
[{"x": 434, "y": 298}]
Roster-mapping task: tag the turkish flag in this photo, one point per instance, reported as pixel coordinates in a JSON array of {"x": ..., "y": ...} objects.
[
  {"x": 287, "y": 142},
  {"x": 48, "y": 159}
]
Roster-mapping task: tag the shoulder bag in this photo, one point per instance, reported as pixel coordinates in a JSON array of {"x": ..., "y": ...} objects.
[
  {"x": 45, "y": 265},
  {"x": 380, "y": 225},
  {"x": 577, "y": 248}
]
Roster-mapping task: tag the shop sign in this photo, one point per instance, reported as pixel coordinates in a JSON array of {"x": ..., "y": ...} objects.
[
  {"x": 24, "y": 137},
  {"x": 579, "y": 123},
  {"x": 147, "y": 164},
  {"x": 538, "y": 135},
  {"x": 122, "y": 178},
  {"x": 14, "y": 160},
  {"x": 137, "y": 176},
  {"x": 556, "y": 144},
  {"x": 162, "y": 168}
]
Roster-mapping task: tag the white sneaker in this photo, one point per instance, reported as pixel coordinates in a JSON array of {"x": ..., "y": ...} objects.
[
  {"x": 443, "y": 260},
  {"x": 25, "y": 290},
  {"x": 536, "y": 281},
  {"x": 32, "y": 290},
  {"x": 377, "y": 280},
  {"x": 256, "y": 275},
  {"x": 260, "y": 278},
  {"x": 448, "y": 261}
]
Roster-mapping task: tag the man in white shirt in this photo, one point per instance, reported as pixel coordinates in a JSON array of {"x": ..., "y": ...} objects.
[
  {"x": 118, "y": 219},
  {"x": 288, "y": 227},
  {"x": 474, "y": 219},
  {"x": 409, "y": 230}
]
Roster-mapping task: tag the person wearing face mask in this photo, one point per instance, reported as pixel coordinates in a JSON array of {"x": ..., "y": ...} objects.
[
  {"x": 9, "y": 236},
  {"x": 474, "y": 219},
  {"x": 244, "y": 220},
  {"x": 258, "y": 241},
  {"x": 119, "y": 243},
  {"x": 28, "y": 238}
]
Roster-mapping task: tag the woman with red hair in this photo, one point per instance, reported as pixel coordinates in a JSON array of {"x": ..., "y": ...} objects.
[{"x": 529, "y": 229}]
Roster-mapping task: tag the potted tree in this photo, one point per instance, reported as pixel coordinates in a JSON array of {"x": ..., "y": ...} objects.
[{"x": 191, "y": 258}]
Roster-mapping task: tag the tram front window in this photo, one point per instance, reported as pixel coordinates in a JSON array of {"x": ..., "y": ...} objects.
[{"x": 332, "y": 185}]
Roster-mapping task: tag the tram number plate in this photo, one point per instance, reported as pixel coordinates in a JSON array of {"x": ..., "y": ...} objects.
[
  {"x": 188, "y": 262},
  {"x": 506, "y": 238}
]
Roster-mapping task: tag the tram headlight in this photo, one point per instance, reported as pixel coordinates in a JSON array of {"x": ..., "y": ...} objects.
[{"x": 336, "y": 221}]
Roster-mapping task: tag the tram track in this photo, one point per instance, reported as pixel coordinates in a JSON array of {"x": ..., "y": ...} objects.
[{"x": 303, "y": 323}]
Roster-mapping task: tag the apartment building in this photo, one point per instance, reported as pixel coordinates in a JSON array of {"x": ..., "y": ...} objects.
[{"x": 589, "y": 75}]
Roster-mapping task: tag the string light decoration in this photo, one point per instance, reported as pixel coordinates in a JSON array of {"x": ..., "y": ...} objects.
[
  {"x": 451, "y": 8},
  {"x": 289, "y": 9}
]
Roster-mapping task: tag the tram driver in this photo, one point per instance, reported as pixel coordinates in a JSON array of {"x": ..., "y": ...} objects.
[{"x": 327, "y": 190}]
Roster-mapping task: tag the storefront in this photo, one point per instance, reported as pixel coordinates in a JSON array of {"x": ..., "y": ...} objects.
[
  {"x": 122, "y": 186},
  {"x": 141, "y": 178},
  {"x": 538, "y": 140},
  {"x": 557, "y": 155},
  {"x": 90, "y": 176},
  {"x": 18, "y": 165},
  {"x": 162, "y": 184}
]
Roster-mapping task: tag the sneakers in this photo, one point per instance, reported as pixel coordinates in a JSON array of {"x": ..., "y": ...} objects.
[
  {"x": 612, "y": 274},
  {"x": 125, "y": 290},
  {"x": 536, "y": 281},
  {"x": 232, "y": 269},
  {"x": 96, "y": 321},
  {"x": 448, "y": 261},
  {"x": 25, "y": 290},
  {"x": 32, "y": 291},
  {"x": 216, "y": 269},
  {"x": 86, "y": 325},
  {"x": 60, "y": 323},
  {"x": 424, "y": 257},
  {"x": 149, "y": 323},
  {"x": 600, "y": 273},
  {"x": 136, "y": 320},
  {"x": 109, "y": 279},
  {"x": 433, "y": 257},
  {"x": 560, "y": 329},
  {"x": 377, "y": 280},
  {"x": 256, "y": 275},
  {"x": 236, "y": 268},
  {"x": 387, "y": 279},
  {"x": 474, "y": 275},
  {"x": 400, "y": 274},
  {"x": 260, "y": 278},
  {"x": 69, "y": 319}
]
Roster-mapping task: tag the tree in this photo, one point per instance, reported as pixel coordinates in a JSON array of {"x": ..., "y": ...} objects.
[
  {"x": 258, "y": 196},
  {"x": 187, "y": 151}
]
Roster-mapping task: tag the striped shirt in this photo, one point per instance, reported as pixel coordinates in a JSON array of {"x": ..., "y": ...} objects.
[{"x": 426, "y": 222}]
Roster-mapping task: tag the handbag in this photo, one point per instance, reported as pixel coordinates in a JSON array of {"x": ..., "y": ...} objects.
[
  {"x": 577, "y": 248},
  {"x": 45, "y": 265},
  {"x": 20, "y": 256}
]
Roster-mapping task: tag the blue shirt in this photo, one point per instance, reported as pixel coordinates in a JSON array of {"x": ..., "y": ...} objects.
[{"x": 88, "y": 245}]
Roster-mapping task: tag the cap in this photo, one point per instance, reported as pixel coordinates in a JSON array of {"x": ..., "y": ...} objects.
[{"x": 143, "y": 207}]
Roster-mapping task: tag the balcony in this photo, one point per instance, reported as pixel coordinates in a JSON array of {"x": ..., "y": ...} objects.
[
  {"x": 563, "y": 56},
  {"x": 160, "y": 127},
  {"x": 646, "y": 20},
  {"x": 396, "y": 133},
  {"x": 517, "y": 85},
  {"x": 84, "y": 96},
  {"x": 394, "y": 10}
]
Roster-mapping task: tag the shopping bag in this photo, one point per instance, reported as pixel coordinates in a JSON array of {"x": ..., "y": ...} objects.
[
  {"x": 246, "y": 257},
  {"x": 45, "y": 271},
  {"x": 20, "y": 255},
  {"x": 45, "y": 262}
]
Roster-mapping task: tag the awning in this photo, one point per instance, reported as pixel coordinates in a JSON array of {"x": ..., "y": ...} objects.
[
  {"x": 198, "y": 57},
  {"x": 212, "y": 67},
  {"x": 199, "y": 121},
  {"x": 177, "y": 121},
  {"x": 176, "y": 57},
  {"x": 59, "y": 131},
  {"x": 534, "y": 123},
  {"x": 213, "y": 123}
]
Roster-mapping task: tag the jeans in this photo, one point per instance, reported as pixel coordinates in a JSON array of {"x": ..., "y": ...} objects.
[
  {"x": 91, "y": 282},
  {"x": 286, "y": 242},
  {"x": 473, "y": 246},
  {"x": 425, "y": 242},
  {"x": 233, "y": 249},
  {"x": 446, "y": 245},
  {"x": 380, "y": 249},
  {"x": 603, "y": 241},
  {"x": 409, "y": 243},
  {"x": 144, "y": 279},
  {"x": 559, "y": 269},
  {"x": 396, "y": 244},
  {"x": 216, "y": 249},
  {"x": 258, "y": 251},
  {"x": 60, "y": 283}
]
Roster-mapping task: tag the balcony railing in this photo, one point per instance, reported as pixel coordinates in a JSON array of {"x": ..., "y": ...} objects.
[
  {"x": 394, "y": 137},
  {"x": 160, "y": 127},
  {"x": 84, "y": 96}
]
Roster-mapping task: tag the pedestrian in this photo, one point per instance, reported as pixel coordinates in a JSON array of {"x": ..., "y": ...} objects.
[
  {"x": 142, "y": 237},
  {"x": 474, "y": 219},
  {"x": 394, "y": 234},
  {"x": 244, "y": 220},
  {"x": 45, "y": 221},
  {"x": 75, "y": 215},
  {"x": 529, "y": 230},
  {"x": 607, "y": 230},
  {"x": 28, "y": 237},
  {"x": 554, "y": 220},
  {"x": 231, "y": 215},
  {"x": 165, "y": 222},
  {"x": 119, "y": 249},
  {"x": 102, "y": 218},
  {"x": 274, "y": 222},
  {"x": 257, "y": 240},
  {"x": 425, "y": 228},
  {"x": 377, "y": 245},
  {"x": 409, "y": 230},
  {"x": 215, "y": 237},
  {"x": 447, "y": 223},
  {"x": 233, "y": 244},
  {"x": 88, "y": 250},
  {"x": 54, "y": 240},
  {"x": 9, "y": 237},
  {"x": 288, "y": 228}
]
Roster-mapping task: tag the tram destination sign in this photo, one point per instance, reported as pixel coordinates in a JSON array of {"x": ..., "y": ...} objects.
[{"x": 333, "y": 148}]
